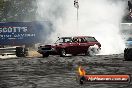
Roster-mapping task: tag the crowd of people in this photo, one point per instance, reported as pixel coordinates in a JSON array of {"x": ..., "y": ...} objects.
[
  {"x": 128, "y": 17},
  {"x": 130, "y": 9}
]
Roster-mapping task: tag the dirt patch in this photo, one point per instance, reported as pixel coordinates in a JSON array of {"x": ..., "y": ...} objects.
[{"x": 33, "y": 53}]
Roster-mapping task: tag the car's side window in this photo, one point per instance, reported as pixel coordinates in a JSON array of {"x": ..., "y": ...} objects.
[
  {"x": 75, "y": 40},
  {"x": 79, "y": 40},
  {"x": 68, "y": 40},
  {"x": 91, "y": 39},
  {"x": 59, "y": 40},
  {"x": 83, "y": 40}
]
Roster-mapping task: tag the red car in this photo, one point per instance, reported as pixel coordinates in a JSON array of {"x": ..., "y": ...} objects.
[{"x": 71, "y": 45}]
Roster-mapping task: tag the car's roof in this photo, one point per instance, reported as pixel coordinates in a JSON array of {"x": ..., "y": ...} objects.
[
  {"x": 82, "y": 36},
  {"x": 78, "y": 37},
  {"x": 65, "y": 37}
]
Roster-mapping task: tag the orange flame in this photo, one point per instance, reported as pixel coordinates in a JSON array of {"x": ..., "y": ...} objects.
[{"x": 81, "y": 71}]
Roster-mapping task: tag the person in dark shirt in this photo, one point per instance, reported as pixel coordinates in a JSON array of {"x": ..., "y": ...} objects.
[{"x": 130, "y": 6}]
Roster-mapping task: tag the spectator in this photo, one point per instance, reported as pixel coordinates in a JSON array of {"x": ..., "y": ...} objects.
[{"x": 130, "y": 6}]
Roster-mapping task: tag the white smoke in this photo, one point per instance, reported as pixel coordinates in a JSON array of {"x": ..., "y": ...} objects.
[{"x": 98, "y": 18}]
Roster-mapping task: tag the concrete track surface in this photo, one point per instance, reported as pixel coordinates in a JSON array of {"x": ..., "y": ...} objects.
[{"x": 60, "y": 72}]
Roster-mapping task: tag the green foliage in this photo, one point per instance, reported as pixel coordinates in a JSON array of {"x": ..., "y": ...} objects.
[
  {"x": 1, "y": 4},
  {"x": 17, "y": 10}
]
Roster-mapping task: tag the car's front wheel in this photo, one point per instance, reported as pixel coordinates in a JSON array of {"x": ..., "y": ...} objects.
[
  {"x": 63, "y": 52},
  {"x": 45, "y": 54}
]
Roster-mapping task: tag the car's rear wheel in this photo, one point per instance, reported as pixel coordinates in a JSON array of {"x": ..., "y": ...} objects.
[
  {"x": 63, "y": 52},
  {"x": 45, "y": 54},
  {"x": 91, "y": 51}
]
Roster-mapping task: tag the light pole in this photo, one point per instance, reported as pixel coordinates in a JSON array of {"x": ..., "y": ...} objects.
[{"x": 76, "y": 5}]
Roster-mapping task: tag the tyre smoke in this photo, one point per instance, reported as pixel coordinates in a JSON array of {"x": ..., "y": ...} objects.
[{"x": 98, "y": 18}]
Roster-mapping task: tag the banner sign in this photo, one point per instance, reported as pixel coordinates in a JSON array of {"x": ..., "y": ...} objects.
[{"x": 22, "y": 32}]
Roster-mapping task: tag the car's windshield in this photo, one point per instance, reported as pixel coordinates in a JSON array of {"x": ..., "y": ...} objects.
[
  {"x": 64, "y": 40},
  {"x": 91, "y": 39}
]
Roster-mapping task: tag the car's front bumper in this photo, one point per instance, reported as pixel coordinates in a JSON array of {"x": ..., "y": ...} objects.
[{"x": 51, "y": 51}]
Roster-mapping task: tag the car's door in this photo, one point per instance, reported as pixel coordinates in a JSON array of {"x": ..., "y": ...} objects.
[
  {"x": 69, "y": 45},
  {"x": 82, "y": 46},
  {"x": 78, "y": 45},
  {"x": 74, "y": 46}
]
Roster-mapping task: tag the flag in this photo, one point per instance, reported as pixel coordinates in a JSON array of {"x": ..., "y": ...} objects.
[{"x": 76, "y": 4}]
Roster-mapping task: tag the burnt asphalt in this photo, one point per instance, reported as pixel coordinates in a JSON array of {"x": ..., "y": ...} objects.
[{"x": 60, "y": 72}]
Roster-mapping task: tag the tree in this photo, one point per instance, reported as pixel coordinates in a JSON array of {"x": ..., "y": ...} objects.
[{"x": 17, "y": 10}]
